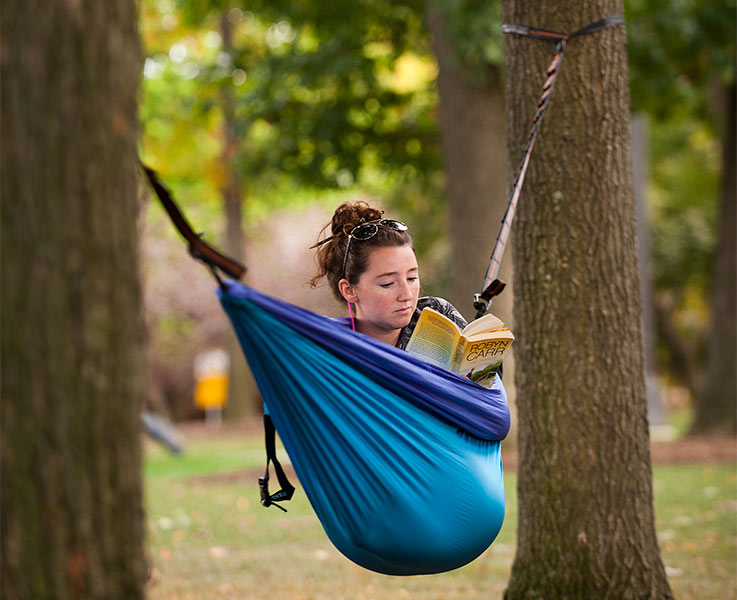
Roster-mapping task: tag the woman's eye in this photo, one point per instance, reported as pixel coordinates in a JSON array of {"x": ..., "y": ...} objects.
[{"x": 386, "y": 285}]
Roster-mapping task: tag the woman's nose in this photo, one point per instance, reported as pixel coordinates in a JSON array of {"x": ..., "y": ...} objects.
[{"x": 405, "y": 291}]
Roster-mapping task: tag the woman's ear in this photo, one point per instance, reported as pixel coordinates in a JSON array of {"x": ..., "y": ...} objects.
[{"x": 347, "y": 291}]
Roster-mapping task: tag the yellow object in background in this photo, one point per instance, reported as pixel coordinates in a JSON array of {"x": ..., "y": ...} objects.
[
  {"x": 211, "y": 379},
  {"x": 211, "y": 392}
]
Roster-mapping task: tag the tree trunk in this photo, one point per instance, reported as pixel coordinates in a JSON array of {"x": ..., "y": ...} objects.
[
  {"x": 243, "y": 395},
  {"x": 472, "y": 131},
  {"x": 586, "y": 520},
  {"x": 716, "y": 405},
  {"x": 73, "y": 379}
]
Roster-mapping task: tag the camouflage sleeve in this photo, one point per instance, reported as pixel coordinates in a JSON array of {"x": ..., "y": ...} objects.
[{"x": 443, "y": 307}]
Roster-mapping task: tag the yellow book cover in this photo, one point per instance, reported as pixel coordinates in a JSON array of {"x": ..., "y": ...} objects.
[{"x": 475, "y": 352}]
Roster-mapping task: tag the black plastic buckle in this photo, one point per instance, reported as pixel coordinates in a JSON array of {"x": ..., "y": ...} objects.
[
  {"x": 481, "y": 301},
  {"x": 268, "y": 499}
]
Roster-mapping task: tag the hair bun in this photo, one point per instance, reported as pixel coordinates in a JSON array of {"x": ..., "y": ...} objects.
[
  {"x": 350, "y": 214},
  {"x": 334, "y": 262}
]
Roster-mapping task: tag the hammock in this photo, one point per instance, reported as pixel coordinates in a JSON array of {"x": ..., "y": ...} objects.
[{"x": 399, "y": 459}]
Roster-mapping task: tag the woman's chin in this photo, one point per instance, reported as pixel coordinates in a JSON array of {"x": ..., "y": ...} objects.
[{"x": 403, "y": 320}]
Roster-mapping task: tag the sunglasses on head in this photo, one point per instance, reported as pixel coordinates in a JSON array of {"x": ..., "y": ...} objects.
[{"x": 367, "y": 230}]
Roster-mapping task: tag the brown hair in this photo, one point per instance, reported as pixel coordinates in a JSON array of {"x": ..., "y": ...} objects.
[{"x": 331, "y": 251}]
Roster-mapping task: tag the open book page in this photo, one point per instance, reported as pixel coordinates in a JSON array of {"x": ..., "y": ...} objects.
[
  {"x": 434, "y": 339},
  {"x": 483, "y": 324}
]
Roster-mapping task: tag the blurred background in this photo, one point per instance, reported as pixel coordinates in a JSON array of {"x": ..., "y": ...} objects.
[{"x": 262, "y": 117}]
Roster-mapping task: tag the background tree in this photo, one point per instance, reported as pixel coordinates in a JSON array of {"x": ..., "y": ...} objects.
[
  {"x": 682, "y": 57},
  {"x": 471, "y": 103},
  {"x": 468, "y": 50},
  {"x": 586, "y": 522},
  {"x": 72, "y": 335},
  {"x": 244, "y": 398},
  {"x": 716, "y": 401}
]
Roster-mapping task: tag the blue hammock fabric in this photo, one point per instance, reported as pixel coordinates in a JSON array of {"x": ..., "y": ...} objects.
[{"x": 400, "y": 460}]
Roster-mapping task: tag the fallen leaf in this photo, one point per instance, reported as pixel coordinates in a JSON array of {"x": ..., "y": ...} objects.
[{"x": 226, "y": 588}]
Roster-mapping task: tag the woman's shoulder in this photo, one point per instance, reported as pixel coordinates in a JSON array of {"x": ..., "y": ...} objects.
[
  {"x": 436, "y": 303},
  {"x": 444, "y": 307}
]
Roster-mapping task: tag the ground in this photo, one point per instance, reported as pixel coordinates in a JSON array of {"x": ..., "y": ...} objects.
[{"x": 687, "y": 450}]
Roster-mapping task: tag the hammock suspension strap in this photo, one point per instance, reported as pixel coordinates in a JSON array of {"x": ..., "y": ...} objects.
[
  {"x": 198, "y": 248},
  {"x": 493, "y": 286},
  {"x": 287, "y": 489}
]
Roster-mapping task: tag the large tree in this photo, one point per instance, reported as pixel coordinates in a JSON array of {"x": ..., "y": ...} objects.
[
  {"x": 73, "y": 378},
  {"x": 586, "y": 520}
]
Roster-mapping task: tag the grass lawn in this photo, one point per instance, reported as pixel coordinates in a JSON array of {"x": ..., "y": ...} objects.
[{"x": 208, "y": 536}]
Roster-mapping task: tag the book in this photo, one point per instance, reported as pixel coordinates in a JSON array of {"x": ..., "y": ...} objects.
[{"x": 475, "y": 352}]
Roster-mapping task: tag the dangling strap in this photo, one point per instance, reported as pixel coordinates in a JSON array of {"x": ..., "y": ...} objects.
[
  {"x": 493, "y": 286},
  {"x": 197, "y": 247},
  {"x": 287, "y": 489}
]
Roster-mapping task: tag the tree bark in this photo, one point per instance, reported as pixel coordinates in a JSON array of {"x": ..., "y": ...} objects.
[
  {"x": 243, "y": 395},
  {"x": 73, "y": 378},
  {"x": 586, "y": 520},
  {"x": 716, "y": 404},
  {"x": 472, "y": 132}
]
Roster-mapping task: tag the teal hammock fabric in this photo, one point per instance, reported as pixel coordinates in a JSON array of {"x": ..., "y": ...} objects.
[{"x": 400, "y": 460}]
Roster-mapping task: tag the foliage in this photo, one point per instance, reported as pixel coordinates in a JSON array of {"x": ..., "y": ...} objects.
[
  {"x": 677, "y": 51},
  {"x": 682, "y": 59},
  {"x": 684, "y": 200},
  {"x": 180, "y": 138},
  {"x": 474, "y": 29},
  {"x": 319, "y": 98},
  {"x": 326, "y": 96}
]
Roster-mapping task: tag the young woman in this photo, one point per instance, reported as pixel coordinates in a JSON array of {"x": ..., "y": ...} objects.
[{"x": 370, "y": 263}]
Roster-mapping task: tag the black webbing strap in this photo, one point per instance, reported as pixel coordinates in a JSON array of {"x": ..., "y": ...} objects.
[
  {"x": 547, "y": 34},
  {"x": 493, "y": 286},
  {"x": 287, "y": 489},
  {"x": 197, "y": 247}
]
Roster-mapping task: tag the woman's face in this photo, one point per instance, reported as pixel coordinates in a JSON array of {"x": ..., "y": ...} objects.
[{"x": 385, "y": 296}]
